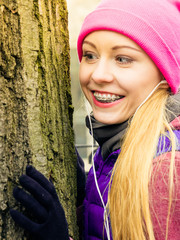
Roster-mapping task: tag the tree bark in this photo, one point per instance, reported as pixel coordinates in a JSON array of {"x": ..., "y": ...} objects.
[{"x": 35, "y": 104}]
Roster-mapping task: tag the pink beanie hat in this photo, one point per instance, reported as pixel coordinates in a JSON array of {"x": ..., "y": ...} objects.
[{"x": 153, "y": 24}]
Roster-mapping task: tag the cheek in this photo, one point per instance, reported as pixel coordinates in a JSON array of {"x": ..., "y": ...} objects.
[
  {"x": 143, "y": 80},
  {"x": 83, "y": 76},
  {"x": 84, "y": 80}
]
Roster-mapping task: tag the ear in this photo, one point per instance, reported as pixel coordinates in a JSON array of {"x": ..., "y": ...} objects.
[{"x": 164, "y": 85}]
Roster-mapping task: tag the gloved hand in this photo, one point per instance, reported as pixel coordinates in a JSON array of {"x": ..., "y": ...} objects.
[{"x": 44, "y": 204}]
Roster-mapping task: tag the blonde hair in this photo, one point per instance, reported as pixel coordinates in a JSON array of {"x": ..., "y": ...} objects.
[{"x": 128, "y": 199}]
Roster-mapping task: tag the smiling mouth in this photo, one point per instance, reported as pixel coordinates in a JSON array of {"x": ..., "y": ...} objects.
[{"x": 106, "y": 97}]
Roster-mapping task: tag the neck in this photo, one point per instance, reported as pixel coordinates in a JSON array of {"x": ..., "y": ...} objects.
[{"x": 109, "y": 137}]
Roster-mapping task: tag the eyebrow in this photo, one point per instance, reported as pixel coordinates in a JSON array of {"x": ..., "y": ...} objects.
[
  {"x": 114, "y": 48},
  {"x": 89, "y": 43},
  {"x": 124, "y": 46}
]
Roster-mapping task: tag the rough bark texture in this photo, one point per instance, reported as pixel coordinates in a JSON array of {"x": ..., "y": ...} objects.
[{"x": 35, "y": 104}]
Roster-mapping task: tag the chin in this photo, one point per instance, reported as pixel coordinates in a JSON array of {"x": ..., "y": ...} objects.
[{"x": 106, "y": 119}]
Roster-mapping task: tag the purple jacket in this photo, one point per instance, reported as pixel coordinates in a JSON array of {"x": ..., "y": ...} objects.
[{"x": 93, "y": 210}]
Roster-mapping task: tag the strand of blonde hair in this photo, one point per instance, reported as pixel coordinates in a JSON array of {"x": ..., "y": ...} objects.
[{"x": 128, "y": 199}]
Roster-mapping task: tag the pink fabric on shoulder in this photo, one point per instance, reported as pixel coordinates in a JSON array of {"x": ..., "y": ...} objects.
[
  {"x": 176, "y": 123},
  {"x": 159, "y": 198},
  {"x": 159, "y": 194}
]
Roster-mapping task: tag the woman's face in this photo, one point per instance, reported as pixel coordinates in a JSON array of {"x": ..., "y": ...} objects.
[{"x": 116, "y": 75}]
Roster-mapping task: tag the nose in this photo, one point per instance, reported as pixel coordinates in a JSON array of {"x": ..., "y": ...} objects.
[{"x": 102, "y": 72}]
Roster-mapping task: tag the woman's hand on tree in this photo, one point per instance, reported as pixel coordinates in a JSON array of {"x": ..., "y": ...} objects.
[{"x": 43, "y": 204}]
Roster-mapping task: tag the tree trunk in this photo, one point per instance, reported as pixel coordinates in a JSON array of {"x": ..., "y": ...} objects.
[{"x": 35, "y": 104}]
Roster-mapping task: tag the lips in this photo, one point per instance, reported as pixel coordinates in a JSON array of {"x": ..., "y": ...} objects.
[{"x": 106, "y": 97}]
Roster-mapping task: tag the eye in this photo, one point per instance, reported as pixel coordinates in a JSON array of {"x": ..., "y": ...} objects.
[
  {"x": 124, "y": 60},
  {"x": 89, "y": 56}
]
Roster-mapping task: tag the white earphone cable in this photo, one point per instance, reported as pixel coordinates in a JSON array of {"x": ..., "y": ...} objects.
[
  {"x": 163, "y": 81},
  {"x": 106, "y": 220}
]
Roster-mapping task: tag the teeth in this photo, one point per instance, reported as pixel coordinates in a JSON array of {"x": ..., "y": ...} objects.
[{"x": 106, "y": 97}]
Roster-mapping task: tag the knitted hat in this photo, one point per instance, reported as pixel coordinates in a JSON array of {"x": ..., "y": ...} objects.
[{"x": 153, "y": 24}]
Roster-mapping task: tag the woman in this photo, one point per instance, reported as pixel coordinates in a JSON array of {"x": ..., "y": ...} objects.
[{"x": 130, "y": 74}]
